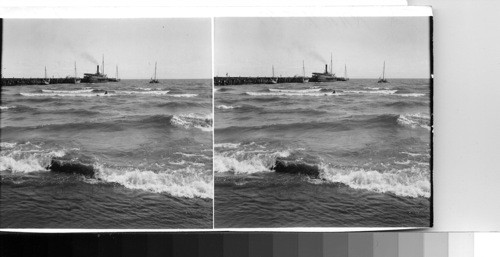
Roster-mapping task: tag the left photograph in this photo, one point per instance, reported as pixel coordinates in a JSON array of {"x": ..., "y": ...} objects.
[{"x": 106, "y": 124}]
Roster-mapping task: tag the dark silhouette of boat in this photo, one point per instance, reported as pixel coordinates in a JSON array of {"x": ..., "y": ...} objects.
[
  {"x": 325, "y": 76},
  {"x": 98, "y": 77},
  {"x": 382, "y": 79},
  {"x": 345, "y": 78},
  {"x": 46, "y": 80},
  {"x": 154, "y": 80},
  {"x": 76, "y": 80},
  {"x": 273, "y": 80},
  {"x": 304, "y": 79},
  {"x": 115, "y": 79}
]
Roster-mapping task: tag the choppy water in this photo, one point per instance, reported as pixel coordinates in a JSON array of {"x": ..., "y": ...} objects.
[
  {"x": 368, "y": 142},
  {"x": 150, "y": 146}
]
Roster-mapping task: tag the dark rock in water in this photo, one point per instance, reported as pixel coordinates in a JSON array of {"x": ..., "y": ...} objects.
[
  {"x": 296, "y": 168},
  {"x": 71, "y": 168}
]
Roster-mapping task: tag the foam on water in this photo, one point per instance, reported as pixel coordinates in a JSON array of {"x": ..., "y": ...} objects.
[
  {"x": 226, "y": 107},
  {"x": 415, "y": 120},
  {"x": 295, "y": 90},
  {"x": 182, "y": 95},
  {"x": 77, "y": 91},
  {"x": 7, "y": 107},
  {"x": 411, "y": 95},
  {"x": 187, "y": 183},
  {"x": 226, "y": 145},
  {"x": 409, "y": 182},
  {"x": 180, "y": 163},
  {"x": 247, "y": 162},
  {"x": 21, "y": 159},
  {"x": 193, "y": 120},
  {"x": 412, "y": 154},
  {"x": 291, "y": 93},
  {"x": 381, "y": 92},
  {"x": 146, "y": 92},
  {"x": 66, "y": 94},
  {"x": 191, "y": 155},
  {"x": 7, "y": 145}
]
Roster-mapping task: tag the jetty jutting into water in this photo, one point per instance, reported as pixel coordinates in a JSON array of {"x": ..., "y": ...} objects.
[
  {"x": 227, "y": 81},
  {"x": 36, "y": 81},
  {"x": 98, "y": 77}
]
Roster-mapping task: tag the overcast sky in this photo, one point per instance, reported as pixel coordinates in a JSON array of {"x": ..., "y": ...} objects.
[
  {"x": 250, "y": 46},
  {"x": 182, "y": 47}
]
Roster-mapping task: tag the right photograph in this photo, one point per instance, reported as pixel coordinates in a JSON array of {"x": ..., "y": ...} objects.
[{"x": 323, "y": 122}]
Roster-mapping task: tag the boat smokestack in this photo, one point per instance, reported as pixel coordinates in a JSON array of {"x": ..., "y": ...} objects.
[
  {"x": 97, "y": 69},
  {"x": 326, "y": 68}
]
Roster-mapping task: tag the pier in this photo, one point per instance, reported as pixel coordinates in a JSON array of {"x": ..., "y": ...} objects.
[
  {"x": 229, "y": 81},
  {"x": 37, "y": 81}
]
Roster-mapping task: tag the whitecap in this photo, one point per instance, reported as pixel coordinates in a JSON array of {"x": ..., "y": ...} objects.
[
  {"x": 411, "y": 182},
  {"x": 187, "y": 183}
]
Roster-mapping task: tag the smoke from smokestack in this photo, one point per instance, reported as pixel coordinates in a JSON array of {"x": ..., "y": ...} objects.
[
  {"x": 316, "y": 56},
  {"x": 89, "y": 58},
  {"x": 307, "y": 51}
]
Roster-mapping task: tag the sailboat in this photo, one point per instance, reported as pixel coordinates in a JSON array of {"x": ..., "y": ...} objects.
[
  {"x": 76, "y": 80},
  {"x": 345, "y": 78},
  {"x": 382, "y": 79},
  {"x": 273, "y": 79},
  {"x": 117, "y": 78},
  {"x": 154, "y": 80},
  {"x": 46, "y": 80},
  {"x": 304, "y": 79},
  {"x": 331, "y": 63}
]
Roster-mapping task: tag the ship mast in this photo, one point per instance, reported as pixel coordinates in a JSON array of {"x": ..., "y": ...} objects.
[
  {"x": 273, "y": 71},
  {"x": 331, "y": 63},
  {"x": 45, "y": 72},
  {"x": 116, "y": 71},
  {"x": 155, "y": 70},
  {"x": 103, "y": 64},
  {"x": 383, "y": 72},
  {"x": 345, "y": 71},
  {"x": 303, "y": 69},
  {"x": 75, "y": 70}
]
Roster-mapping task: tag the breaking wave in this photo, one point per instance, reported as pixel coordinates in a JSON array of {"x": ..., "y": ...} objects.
[
  {"x": 409, "y": 182},
  {"x": 7, "y": 145},
  {"x": 226, "y": 145},
  {"x": 295, "y": 90},
  {"x": 67, "y": 94},
  {"x": 411, "y": 95},
  {"x": 226, "y": 107},
  {"x": 77, "y": 91},
  {"x": 193, "y": 120},
  {"x": 146, "y": 92},
  {"x": 188, "y": 182},
  {"x": 246, "y": 162},
  {"x": 415, "y": 120},
  {"x": 305, "y": 93},
  {"x": 100, "y": 92},
  {"x": 380, "y": 92},
  {"x": 182, "y": 95},
  {"x": 7, "y": 107},
  {"x": 26, "y": 158}
]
